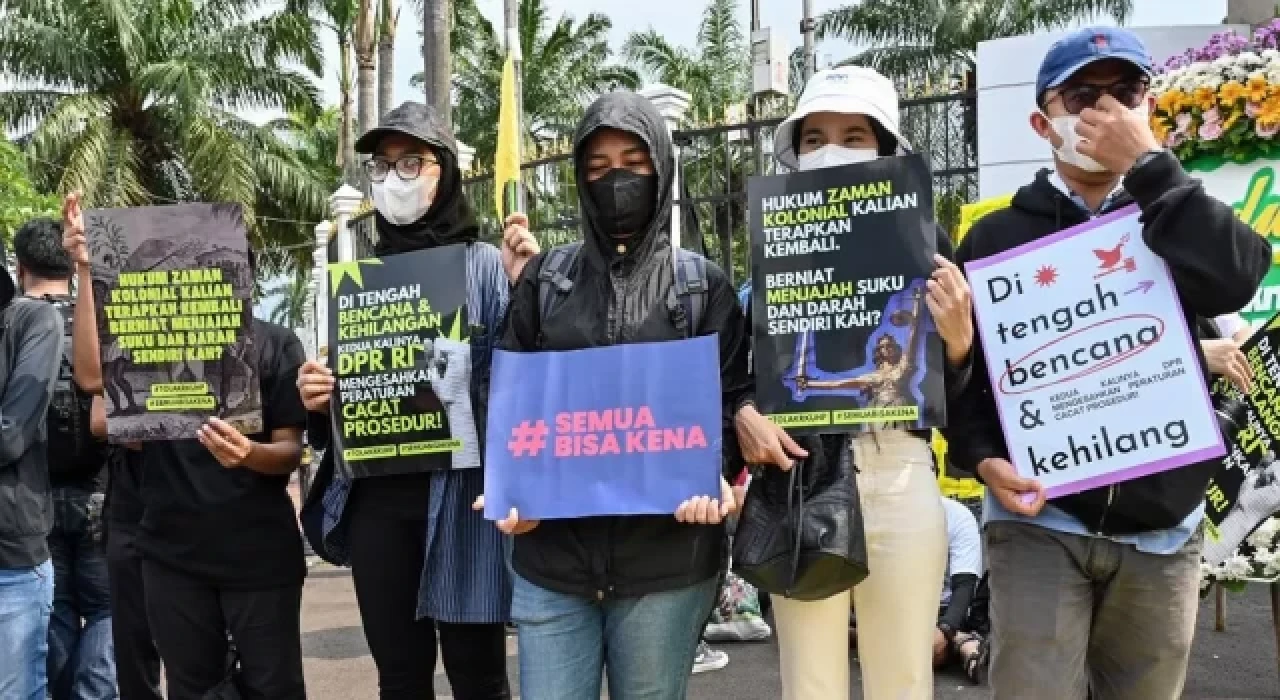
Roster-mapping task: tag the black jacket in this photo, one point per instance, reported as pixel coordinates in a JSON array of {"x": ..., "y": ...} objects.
[
  {"x": 1217, "y": 263},
  {"x": 619, "y": 297},
  {"x": 30, "y": 349}
]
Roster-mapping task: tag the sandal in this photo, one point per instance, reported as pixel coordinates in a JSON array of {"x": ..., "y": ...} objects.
[{"x": 975, "y": 665}]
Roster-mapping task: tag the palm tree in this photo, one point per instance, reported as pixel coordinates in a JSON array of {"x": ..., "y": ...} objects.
[
  {"x": 389, "y": 23},
  {"x": 366, "y": 48},
  {"x": 917, "y": 40},
  {"x": 565, "y": 65},
  {"x": 339, "y": 17},
  {"x": 291, "y": 299},
  {"x": 716, "y": 75},
  {"x": 137, "y": 102}
]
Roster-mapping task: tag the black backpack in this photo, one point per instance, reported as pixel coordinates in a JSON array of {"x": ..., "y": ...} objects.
[
  {"x": 73, "y": 450},
  {"x": 686, "y": 301}
]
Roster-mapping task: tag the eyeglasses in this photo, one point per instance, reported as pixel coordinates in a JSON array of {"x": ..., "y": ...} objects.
[
  {"x": 407, "y": 167},
  {"x": 1076, "y": 98}
]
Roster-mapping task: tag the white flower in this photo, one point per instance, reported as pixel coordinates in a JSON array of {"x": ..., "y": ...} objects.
[
  {"x": 1270, "y": 54},
  {"x": 1237, "y": 567},
  {"x": 1265, "y": 535}
]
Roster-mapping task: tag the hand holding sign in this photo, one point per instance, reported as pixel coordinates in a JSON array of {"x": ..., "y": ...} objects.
[
  {"x": 73, "y": 239},
  {"x": 1225, "y": 359},
  {"x": 510, "y": 525},
  {"x": 227, "y": 444},
  {"x": 518, "y": 245},
  {"x": 952, "y": 307},
  {"x": 315, "y": 385},
  {"x": 705, "y": 510},
  {"x": 1018, "y": 495}
]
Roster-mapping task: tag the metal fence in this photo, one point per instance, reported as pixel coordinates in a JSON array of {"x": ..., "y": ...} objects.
[{"x": 715, "y": 164}]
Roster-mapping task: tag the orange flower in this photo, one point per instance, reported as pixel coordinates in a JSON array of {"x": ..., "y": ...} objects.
[
  {"x": 1160, "y": 128},
  {"x": 1205, "y": 98},
  {"x": 1258, "y": 88},
  {"x": 1172, "y": 101},
  {"x": 1231, "y": 93}
]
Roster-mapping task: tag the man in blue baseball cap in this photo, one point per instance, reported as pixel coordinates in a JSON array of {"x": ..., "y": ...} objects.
[{"x": 1096, "y": 593}]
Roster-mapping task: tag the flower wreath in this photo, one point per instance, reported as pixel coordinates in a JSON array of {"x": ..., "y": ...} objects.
[{"x": 1220, "y": 103}]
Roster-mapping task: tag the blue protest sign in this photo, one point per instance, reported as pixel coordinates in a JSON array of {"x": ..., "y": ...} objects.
[{"x": 620, "y": 430}]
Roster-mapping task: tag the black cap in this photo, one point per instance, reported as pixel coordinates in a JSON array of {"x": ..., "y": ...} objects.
[{"x": 411, "y": 119}]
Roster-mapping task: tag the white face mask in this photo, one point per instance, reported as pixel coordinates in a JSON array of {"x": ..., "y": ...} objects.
[
  {"x": 403, "y": 202},
  {"x": 832, "y": 155},
  {"x": 1065, "y": 127}
]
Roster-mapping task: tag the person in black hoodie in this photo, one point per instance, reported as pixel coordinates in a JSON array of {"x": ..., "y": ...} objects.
[
  {"x": 628, "y": 595},
  {"x": 30, "y": 350},
  {"x": 1097, "y": 592},
  {"x": 425, "y": 566}
]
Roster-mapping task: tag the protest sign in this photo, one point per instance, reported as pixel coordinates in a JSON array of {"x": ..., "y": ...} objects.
[
  {"x": 842, "y": 335},
  {"x": 398, "y": 339},
  {"x": 1092, "y": 366},
  {"x": 173, "y": 294},
  {"x": 1246, "y": 488},
  {"x": 619, "y": 430}
]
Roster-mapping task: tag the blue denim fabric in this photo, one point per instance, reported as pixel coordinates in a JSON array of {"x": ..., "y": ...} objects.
[
  {"x": 81, "y": 657},
  {"x": 26, "y": 599},
  {"x": 644, "y": 645}
]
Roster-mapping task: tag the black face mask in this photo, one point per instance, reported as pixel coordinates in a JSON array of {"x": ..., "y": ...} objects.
[{"x": 625, "y": 201}]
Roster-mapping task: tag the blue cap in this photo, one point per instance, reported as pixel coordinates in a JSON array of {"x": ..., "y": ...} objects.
[{"x": 1084, "y": 46}]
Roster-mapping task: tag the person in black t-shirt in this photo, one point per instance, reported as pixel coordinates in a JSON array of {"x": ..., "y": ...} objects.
[
  {"x": 80, "y": 661},
  {"x": 219, "y": 540}
]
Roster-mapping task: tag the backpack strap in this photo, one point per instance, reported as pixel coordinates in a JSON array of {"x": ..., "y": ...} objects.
[
  {"x": 687, "y": 300},
  {"x": 553, "y": 277}
]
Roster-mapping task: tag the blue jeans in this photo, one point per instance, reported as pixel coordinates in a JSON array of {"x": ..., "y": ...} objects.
[
  {"x": 26, "y": 599},
  {"x": 645, "y": 645},
  {"x": 81, "y": 659}
]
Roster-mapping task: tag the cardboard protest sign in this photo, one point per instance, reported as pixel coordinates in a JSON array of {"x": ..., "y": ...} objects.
[
  {"x": 1246, "y": 489},
  {"x": 173, "y": 293},
  {"x": 398, "y": 339},
  {"x": 842, "y": 335},
  {"x": 619, "y": 430},
  {"x": 1093, "y": 368}
]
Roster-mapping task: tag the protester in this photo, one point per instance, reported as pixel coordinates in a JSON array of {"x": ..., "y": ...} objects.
[
  {"x": 1096, "y": 593},
  {"x": 81, "y": 663},
  {"x": 961, "y": 625},
  {"x": 422, "y": 561},
  {"x": 628, "y": 595},
  {"x": 219, "y": 540},
  {"x": 30, "y": 350},
  {"x": 850, "y": 115}
]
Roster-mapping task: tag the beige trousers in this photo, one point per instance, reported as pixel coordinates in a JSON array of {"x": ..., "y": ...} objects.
[{"x": 897, "y": 605}]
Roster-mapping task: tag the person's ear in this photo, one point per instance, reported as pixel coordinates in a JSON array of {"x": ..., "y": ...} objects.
[{"x": 1044, "y": 128}]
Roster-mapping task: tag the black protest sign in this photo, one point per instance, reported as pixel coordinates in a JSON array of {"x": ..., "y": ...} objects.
[
  {"x": 1245, "y": 490},
  {"x": 173, "y": 293},
  {"x": 398, "y": 339},
  {"x": 842, "y": 335}
]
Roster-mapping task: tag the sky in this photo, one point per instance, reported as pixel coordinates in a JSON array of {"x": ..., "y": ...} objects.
[{"x": 678, "y": 21}]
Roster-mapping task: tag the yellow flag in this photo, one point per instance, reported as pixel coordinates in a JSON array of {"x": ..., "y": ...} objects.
[
  {"x": 506, "y": 171},
  {"x": 950, "y": 486}
]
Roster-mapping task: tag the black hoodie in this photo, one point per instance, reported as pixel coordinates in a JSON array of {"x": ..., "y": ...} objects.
[
  {"x": 1217, "y": 263},
  {"x": 617, "y": 298}
]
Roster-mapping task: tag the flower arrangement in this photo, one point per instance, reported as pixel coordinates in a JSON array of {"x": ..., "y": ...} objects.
[
  {"x": 1223, "y": 99},
  {"x": 1258, "y": 558}
]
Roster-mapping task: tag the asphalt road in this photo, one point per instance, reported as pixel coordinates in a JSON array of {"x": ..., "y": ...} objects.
[{"x": 1239, "y": 664}]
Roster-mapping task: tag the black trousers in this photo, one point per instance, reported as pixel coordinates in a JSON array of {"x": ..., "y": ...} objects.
[
  {"x": 387, "y": 551},
  {"x": 191, "y": 619},
  {"x": 137, "y": 661}
]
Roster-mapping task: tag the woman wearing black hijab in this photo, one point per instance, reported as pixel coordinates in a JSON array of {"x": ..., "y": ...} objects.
[{"x": 422, "y": 561}]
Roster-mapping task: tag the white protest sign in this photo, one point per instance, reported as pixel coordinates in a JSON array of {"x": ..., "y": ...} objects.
[{"x": 1092, "y": 364}]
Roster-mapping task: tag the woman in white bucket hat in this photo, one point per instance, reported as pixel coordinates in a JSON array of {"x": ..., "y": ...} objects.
[{"x": 850, "y": 115}]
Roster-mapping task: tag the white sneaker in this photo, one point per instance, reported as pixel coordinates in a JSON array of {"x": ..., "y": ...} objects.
[
  {"x": 709, "y": 659},
  {"x": 739, "y": 629}
]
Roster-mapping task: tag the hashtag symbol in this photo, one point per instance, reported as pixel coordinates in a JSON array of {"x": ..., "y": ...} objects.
[{"x": 527, "y": 440}]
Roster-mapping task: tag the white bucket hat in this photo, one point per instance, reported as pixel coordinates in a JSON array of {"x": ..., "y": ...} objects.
[{"x": 843, "y": 90}]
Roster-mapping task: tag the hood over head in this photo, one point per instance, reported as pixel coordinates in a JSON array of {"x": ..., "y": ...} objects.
[
  {"x": 450, "y": 219},
  {"x": 626, "y": 111}
]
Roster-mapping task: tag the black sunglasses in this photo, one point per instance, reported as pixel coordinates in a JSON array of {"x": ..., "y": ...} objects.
[
  {"x": 1076, "y": 98},
  {"x": 407, "y": 167}
]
